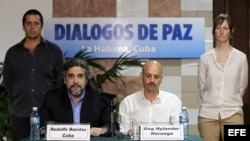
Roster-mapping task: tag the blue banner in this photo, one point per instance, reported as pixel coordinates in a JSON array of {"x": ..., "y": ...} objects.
[{"x": 141, "y": 37}]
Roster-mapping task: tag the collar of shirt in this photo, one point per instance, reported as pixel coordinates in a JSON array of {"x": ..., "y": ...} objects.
[
  {"x": 156, "y": 100},
  {"x": 43, "y": 41}
]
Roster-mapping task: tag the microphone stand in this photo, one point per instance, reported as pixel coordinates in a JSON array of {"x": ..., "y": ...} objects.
[
  {"x": 113, "y": 129},
  {"x": 112, "y": 111}
]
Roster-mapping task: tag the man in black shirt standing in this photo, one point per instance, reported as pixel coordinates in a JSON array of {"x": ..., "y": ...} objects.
[{"x": 31, "y": 68}]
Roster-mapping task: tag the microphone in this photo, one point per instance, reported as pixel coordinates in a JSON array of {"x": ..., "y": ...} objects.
[{"x": 107, "y": 95}]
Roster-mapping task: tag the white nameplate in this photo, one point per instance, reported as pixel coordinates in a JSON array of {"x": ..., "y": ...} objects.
[
  {"x": 162, "y": 132},
  {"x": 68, "y": 132}
]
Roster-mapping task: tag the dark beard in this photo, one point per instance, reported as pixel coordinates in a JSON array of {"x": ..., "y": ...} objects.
[{"x": 76, "y": 94}]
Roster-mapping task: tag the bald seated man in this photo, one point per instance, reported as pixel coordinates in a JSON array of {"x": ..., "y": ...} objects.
[{"x": 150, "y": 104}]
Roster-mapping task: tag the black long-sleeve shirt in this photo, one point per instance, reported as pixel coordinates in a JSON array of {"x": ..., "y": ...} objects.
[{"x": 27, "y": 77}]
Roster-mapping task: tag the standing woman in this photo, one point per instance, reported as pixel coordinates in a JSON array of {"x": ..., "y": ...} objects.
[{"x": 222, "y": 81}]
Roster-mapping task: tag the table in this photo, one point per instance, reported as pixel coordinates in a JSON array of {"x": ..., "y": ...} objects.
[{"x": 126, "y": 138}]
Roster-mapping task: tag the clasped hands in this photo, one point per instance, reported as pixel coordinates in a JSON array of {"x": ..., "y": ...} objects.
[{"x": 130, "y": 132}]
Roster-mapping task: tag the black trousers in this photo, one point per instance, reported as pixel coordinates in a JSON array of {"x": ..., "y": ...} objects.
[{"x": 20, "y": 127}]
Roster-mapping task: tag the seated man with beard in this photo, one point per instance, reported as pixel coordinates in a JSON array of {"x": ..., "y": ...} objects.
[{"x": 77, "y": 101}]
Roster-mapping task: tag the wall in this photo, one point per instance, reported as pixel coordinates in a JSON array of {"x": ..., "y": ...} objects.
[
  {"x": 11, "y": 20},
  {"x": 195, "y": 8},
  {"x": 180, "y": 75}
]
